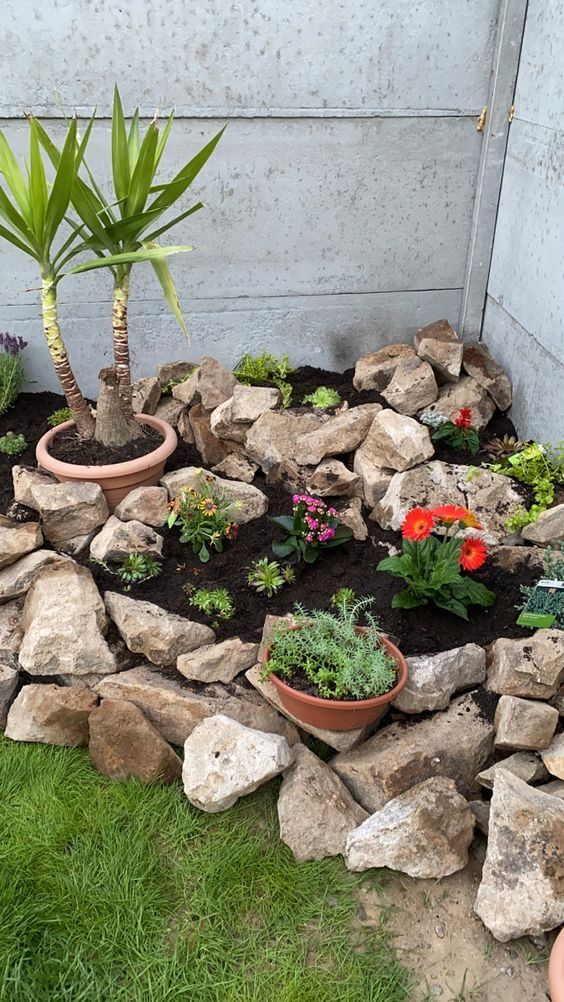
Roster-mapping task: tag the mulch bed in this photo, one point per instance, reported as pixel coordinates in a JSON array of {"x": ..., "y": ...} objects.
[{"x": 353, "y": 565}]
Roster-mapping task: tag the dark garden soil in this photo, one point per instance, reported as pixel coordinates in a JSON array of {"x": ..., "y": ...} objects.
[
  {"x": 352, "y": 565},
  {"x": 69, "y": 448}
]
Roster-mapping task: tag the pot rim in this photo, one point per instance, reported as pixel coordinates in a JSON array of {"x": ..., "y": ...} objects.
[
  {"x": 61, "y": 468},
  {"x": 349, "y": 704}
]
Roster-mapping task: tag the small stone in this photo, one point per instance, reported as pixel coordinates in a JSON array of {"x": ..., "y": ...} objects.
[
  {"x": 375, "y": 480},
  {"x": 236, "y": 467},
  {"x": 169, "y": 410},
  {"x": 374, "y": 371},
  {"x": 223, "y": 761},
  {"x": 17, "y": 540},
  {"x": 395, "y": 442},
  {"x": 233, "y": 418},
  {"x": 118, "y": 539},
  {"x": 521, "y": 889},
  {"x": 123, "y": 744},
  {"x": 532, "y": 667},
  {"x": 15, "y": 580},
  {"x": 144, "y": 504},
  {"x": 525, "y": 765},
  {"x": 8, "y": 684},
  {"x": 479, "y": 364},
  {"x": 332, "y": 479},
  {"x": 440, "y": 931},
  {"x": 11, "y": 631},
  {"x": 172, "y": 372},
  {"x": 351, "y": 516},
  {"x": 553, "y": 756},
  {"x": 218, "y": 662},
  {"x": 248, "y": 501},
  {"x": 340, "y": 434},
  {"x": 69, "y": 509},
  {"x": 186, "y": 390},
  {"x": 444, "y": 356},
  {"x": 51, "y": 714},
  {"x": 524, "y": 725},
  {"x": 412, "y": 387},
  {"x": 147, "y": 629},
  {"x": 24, "y": 479},
  {"x": 145, "y": 395},
  {"x": 440, "y": 330},
  {"x": 434, "y": 678},
  {"x": 425, "y": 832},
  {"x": 466, "y": 393},
  {"x": 548, "y": 528},
  {"x": 316, "y": 812}
]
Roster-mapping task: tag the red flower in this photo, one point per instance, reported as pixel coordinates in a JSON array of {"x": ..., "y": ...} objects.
[
  {"x": 464, "y": 419},
  {"x": 451, "y": 513},
  {"x": 417, "y": 524},
  {"x": 472, "y": 553}
]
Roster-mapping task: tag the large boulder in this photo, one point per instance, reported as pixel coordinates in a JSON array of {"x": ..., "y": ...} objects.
[
  {"x": 210, "y": 384},
  {"x": 8, "y": 684},
  {"x": 273, "y": 439},
  {"x": 374, "y": 479},
  {"x": 18, "y": 539},
  {"x": 15, "y": 580},
  {"x": 233, "y": 418},
  {"x": 351, "y": 516},
  {"x": 553, "y": 756},
  {"x": 247, "y": 501},
  {"x": 488, "y": 373},
  {"x": 490, "y": 495},
  {"x": 145, "y": 395},
  {"x": 394, "y": 442},
  {"x": 69, "y": 509},
  {"x": 548, "y": 528},
  {"x": 149, "y": 630},
  {"x": 174, "y": 372},
  {"x": 236, "y": 467},
  {"x": 339, "y": 434},
  {"x": 144, "y": 504},
  {"x": 399, "y": 756},
  {"x": 316, "y": 812},
  {"x": 434, "y": 678},
  {"x": 218, "y": 662},
  {"x": 412, "y": 387},
  {"x": 51, "y": 714},
  {"x": 375, "y": 370},
  {"x": 527, "y": 766},
  {"x": 466, "y": 393},
  {"x": 521, "y": 893},
  {"x": 443, "y": 355},
  {"x": 439, "y": 330},
  {"x": 424, "y": 832},
  {"x": 24, "y": 479},
  {"x": 532, "y": 667},
  {"x": 123, "y": 743},
  {"x": 524, "y": 725},
  {"x": 212, "y": 449},
  {"x": 118, "y": 539},
  {"x": 11, "y": 631},
  {"x": 332, "y": 479},
  {"x": 64, "y": 622},
  {"x": 169, "y": 410},
  {"x": 224, "y": 760}
]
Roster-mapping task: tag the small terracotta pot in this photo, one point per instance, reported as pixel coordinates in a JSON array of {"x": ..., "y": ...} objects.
[
  {"x": 556, "y": 969},
  {"x": 115, "y": 479},
  {"x": 340, "y": 714}
]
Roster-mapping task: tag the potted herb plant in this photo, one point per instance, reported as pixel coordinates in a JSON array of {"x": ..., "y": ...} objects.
[{"x": 331, "y": 672}]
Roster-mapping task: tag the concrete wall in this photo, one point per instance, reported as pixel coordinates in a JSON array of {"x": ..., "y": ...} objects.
[
  {"x": 524, "y": 317},
  {"x": 340, "y": 200}
]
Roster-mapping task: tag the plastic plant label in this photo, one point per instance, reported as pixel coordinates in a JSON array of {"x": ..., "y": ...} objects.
[
  {"x": 536, "y": 620},
  {"x": 547, "y": 583}
]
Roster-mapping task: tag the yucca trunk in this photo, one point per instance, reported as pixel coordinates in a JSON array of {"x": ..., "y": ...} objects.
[
  {"x": 79, "y": 408},
  {"x": 119, "y": 325}
]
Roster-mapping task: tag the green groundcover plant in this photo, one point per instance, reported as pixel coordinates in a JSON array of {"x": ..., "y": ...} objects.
[
  {"x": 11, "y": 369},
  {"x": 213, "y": 602},
  {"x": 540, "y": 467},
  {"x": 12, "y": 444},
  {"x": 340, "y": 662},
  {"x": 256, "y": 370},
  {"x": 267, "y": 577},
  {"x": 322, "y": 398},
  {"x": 58, "y": 416}
]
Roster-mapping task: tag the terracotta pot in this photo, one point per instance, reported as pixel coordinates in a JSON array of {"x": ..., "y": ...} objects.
[
  {"x": 340, "y": 714},
  {"x": 115, "y": 479},
  {"x": 556, "y": 969}
]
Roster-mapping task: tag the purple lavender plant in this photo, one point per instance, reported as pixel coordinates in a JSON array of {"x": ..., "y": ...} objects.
[{"x": 11, "y": 369}]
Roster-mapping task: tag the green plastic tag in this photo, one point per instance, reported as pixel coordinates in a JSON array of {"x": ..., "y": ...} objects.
[{"x": 536, "y": 620}]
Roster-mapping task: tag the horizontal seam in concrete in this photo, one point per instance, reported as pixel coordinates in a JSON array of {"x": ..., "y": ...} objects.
[
  {"x": 526, "y": 332},
  {"x": 537, "y": 125},
  {"x": 250, "y": 113}
]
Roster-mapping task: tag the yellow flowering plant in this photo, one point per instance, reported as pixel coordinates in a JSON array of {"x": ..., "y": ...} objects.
[{"x": 205, "y": 515}]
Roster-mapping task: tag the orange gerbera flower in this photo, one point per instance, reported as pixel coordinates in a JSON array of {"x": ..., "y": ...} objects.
[
  {"x": 417, "y": 524},
  {"x": 472, "y": 553},
  {"x": 448, "y": 514}
]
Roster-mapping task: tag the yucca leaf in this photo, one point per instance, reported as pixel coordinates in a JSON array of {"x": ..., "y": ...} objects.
[
  {"x": 133, "y": 141},
  {"x": 16, "y": 221},
  {"x": 128, "y": 257},
  {"x": 84, "y": 141},
  {"x": 15, "y": 179},
  {"x": 120, "y": 155},
  {"x": 163, "y": 139},
  {"x": 131, "y": 226},
  {"x": 37, "y": 182},
  {"x": 143, "y": 173},
  {"x": 60, "y": 195},
  {"x": 175, "y": 188},
  {"x": 13, "y": 239},
  {"x": 162, "y": 272},
  {"x": 172, "y": 222}
]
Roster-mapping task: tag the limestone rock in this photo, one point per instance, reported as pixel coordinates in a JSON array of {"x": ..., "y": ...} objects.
[
  {"x": 351, "y": 516},
  {"x": 374, "y": 371},
  {"x": 527, "y": 766},
  {"x": 117, "y": 539},
  {"x": 440, "y": 330},
  {"x": 186, "y": 390},
  {"x": 175, "y": 709},
  {"x": 424, "y": 832},
  {"x": 434, "y": 678},
  {"x": 184, "y": 428},
  {"x": 63, "y": 622},
  {"x": 412, "y": 387},
  {"x": 523, "y": 875},
  {"x": 555, "y": 788},
  {"x": 169, "y": 410},
  {"x": 18, "y": 539},
  {"x": 479, "y": 364},
  {"x": 147, "y": 629},
  {"x": 16, "y": 579},
  {"x": 8, "y": 685},
  {"x": 236, "y": 467},
  {"x": 532, "y": 667},
  {"x": 11, "y": 631},
  {"x": 332, "y": 479},
  {"x": 524, "y": 725},
  {"x": 51, "y": 714},
  {"x": 215, "y": 382},
  {"x": 489, "y": 495},
  {"x": 233, "y": 418},
  {"x": 444, "y": 356},
  {"x": 553, "y": 756},
  {"x": 171, "y": 372},
  {"x": 466, "y": 393},
  {"x": 399, "y": 757},
  {"x": 273, "y": 438},
  {"x": 144, "y": 504},
  {"x": 394, "y": 442},
  {"x": 211, "y": 448},
  {"x": 24, "y": 479},
  {"x": 218, "y": 662},
  {"x": 481, "y": 811},
  {"x": 519, "y": 559},
  {"x": 123, "y": 743},
  {"x": 315, "y": 810},
  {"x": 76, "y": 545},
  {"x": 548, "y": 528},
  {"x": 68, "y": 510},
  {"x": 223, "y": 760},
  {"x": 145, "y": 395},
  {"x": 248, "y": 501},
  {"x": 339, "y": 434}
]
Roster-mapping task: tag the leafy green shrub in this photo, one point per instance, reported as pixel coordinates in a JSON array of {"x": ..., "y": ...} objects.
[
  {"x": 211, "y": 601},
  {"x": 58, "y": 416},
  {"x": 338, "y": 661},
  {"x": 11, "y": 369},
  {"x": 268, "y": 577},
  {"x": 255, "y": 370},
  {"x": 540, "y": 467},
  {"x": 322, "y": 398},
  {"x": 12, "y": 444}
]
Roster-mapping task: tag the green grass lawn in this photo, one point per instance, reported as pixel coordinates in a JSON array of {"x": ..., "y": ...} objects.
[{"x": 125, "y": 893}]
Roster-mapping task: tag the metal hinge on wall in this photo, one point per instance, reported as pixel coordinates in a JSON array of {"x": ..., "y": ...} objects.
[
  {"x": 482, "y": 119},
  {"x": 511, "y": 114}
]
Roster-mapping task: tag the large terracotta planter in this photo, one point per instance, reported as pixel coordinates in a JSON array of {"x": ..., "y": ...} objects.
[
  {"x": 116, "y": 479},
  {"x": 556, "y": 969},
  {"x": 339, "y": 714}
]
